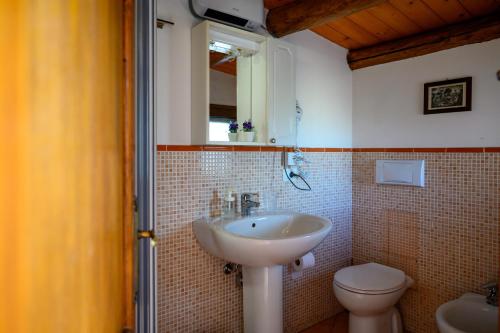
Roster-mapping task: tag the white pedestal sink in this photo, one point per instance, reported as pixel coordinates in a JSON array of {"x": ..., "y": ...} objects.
[{"x": 261, "y": 243}]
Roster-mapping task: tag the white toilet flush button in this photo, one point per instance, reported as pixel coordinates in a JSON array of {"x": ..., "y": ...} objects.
[{"x": 400, "y": 172}]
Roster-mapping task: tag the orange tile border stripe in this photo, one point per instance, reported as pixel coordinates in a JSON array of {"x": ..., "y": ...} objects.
[
  {"x": 270, "y": 148},
  {"x": 429, "y": 150},
  {"x": 465, "y": 150},
  {"x": 313, "y": 150},
  {"x": 326, "y": 150}
]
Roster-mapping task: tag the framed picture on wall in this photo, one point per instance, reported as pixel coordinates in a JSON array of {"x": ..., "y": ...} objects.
[{"x": 448, "y": 96}]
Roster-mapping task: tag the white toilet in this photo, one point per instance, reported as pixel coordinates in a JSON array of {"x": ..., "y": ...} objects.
[{"x": 369, "y": 292}]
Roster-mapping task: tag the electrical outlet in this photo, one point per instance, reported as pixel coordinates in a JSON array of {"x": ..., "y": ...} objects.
[{"x": 290, "y": 160}]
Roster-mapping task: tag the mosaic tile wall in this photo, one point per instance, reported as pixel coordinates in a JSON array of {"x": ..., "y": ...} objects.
[
  {"x": 445, "y": 236},
  {"x": 193, "y": 293}
]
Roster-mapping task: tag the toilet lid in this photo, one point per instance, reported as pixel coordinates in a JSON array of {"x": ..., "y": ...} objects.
[{"x": 370, "y": 278}]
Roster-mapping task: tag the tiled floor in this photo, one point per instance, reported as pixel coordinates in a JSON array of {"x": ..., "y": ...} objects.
[{"x": 337, "y": 324}]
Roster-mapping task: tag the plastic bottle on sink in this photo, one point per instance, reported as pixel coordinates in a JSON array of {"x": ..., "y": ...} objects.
[{"x": 229, "y": 204}]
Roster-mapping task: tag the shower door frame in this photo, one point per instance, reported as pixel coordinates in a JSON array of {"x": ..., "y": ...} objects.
[{"x": 145, "y": 164}]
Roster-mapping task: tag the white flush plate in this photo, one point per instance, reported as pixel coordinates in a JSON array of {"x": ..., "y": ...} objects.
[{"x": 400, "y": 172}]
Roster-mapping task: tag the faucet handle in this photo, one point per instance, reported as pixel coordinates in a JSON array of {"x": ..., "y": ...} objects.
[
  {"x": 248, "y": 196},
  {"x": 492, "y": 297},
  {"x": 490, "y": 286}
]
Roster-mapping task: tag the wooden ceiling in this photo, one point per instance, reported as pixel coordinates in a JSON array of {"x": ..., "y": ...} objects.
[
  {"x": 391, "y": 20},
  {"x": 216, "y": 63}
]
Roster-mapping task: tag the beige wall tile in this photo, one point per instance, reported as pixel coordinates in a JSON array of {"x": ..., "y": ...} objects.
[
  {"x": 193, "y": 293},
  {"x": 445, "y": 236}
]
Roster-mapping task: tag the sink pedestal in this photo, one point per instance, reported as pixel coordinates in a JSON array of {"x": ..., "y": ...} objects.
[
  {"x": 263, "y": 299},
  {"x": 260, "y": 243}
]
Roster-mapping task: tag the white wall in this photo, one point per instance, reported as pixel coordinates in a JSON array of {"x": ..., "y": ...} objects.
[
  {"x": 388, "y": 101},
  {"x": 324, "y": 91},
  {"x": 222, "y": 88},
  {"x": 173, "y": 116},
  {"x": 324, "y": 83}
]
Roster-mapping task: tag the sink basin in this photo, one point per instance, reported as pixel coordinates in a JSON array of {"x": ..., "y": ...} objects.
[
  {"x": 264, "y": 239},
  {"x": 261, "y": 243},
  {"x": 468, "y": 314}
]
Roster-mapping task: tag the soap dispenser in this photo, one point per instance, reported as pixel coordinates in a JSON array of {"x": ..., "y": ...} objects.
[{"x": 229, "y": 206}]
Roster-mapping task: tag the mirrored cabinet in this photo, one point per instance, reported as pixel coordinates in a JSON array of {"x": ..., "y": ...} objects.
[{"x": 243, "y": 87}]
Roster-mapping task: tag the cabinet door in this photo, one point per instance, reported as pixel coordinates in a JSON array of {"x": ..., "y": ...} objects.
[{"x": 281, "y": 98}]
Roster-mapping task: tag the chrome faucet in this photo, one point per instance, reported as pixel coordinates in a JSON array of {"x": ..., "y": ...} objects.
[
  {"x": 492, "y": 297},
  {"x": 249, "y": 201}
]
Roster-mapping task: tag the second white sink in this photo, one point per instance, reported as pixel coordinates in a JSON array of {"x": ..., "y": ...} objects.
[{"x": 468, "y": 314}]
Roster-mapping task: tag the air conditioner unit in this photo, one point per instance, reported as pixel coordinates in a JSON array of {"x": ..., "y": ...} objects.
[{"x": 245, "y": 14}]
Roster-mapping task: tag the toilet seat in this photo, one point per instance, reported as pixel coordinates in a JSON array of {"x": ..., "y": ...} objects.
[{"x": 371, "y": 278}]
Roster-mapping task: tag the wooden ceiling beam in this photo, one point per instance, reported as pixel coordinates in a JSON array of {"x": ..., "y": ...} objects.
[
  {"x": 305, "y": 14},
  {"x": 473, "y": 31}
]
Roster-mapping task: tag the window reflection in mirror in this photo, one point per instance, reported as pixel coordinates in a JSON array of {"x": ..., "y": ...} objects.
[{"x": 230, "y": 87}]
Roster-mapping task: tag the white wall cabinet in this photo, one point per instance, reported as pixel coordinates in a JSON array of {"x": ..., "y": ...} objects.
[
  {"x": 281, "y": 107},
  {"x": 272, "y": 97}
]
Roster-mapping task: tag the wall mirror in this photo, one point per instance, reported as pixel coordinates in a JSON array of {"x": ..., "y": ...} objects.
[
  {"x": 231, "y": 87},
  {"x": 238, "y": 76}
]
